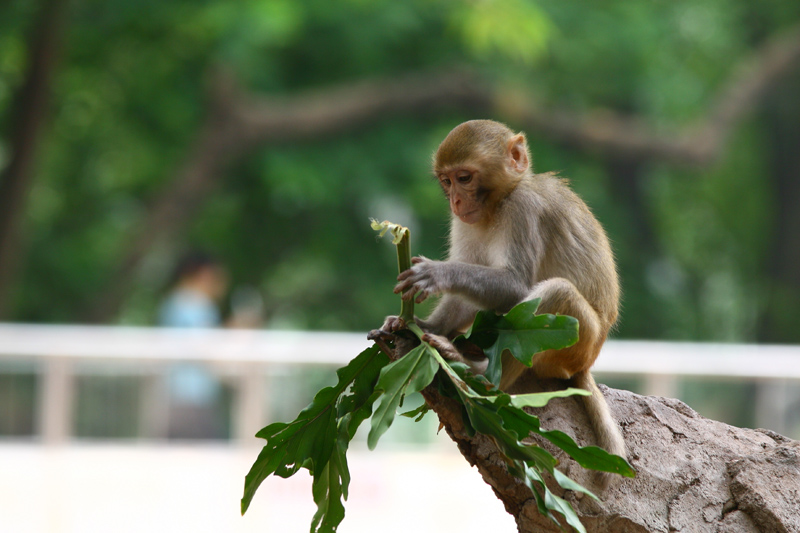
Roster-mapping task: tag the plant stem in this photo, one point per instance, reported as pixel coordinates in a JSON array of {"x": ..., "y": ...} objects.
[{"x": 403, "y": 264}]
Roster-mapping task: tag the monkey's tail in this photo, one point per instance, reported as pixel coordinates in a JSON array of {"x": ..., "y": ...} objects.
[{"x": 607, "y": 431}]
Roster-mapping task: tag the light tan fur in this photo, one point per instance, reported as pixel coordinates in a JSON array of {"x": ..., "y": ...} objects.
[{"x": 532, "y": 237}]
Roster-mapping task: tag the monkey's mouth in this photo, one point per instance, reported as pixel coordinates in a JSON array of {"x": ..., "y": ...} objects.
[{"x": 470, "y": 218}]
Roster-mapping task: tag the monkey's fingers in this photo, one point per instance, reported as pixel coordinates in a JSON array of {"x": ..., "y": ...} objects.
[
  {"x": 392, "y": 323},
  {"x": 408, "y": 287},
  {"x": 379, "y": 334},
  {"x": 405, "y": 274},
  {"x": 405, "y": 284},
  {"x": 409, "y": 294},
  {"x": 423, "y": 295}
]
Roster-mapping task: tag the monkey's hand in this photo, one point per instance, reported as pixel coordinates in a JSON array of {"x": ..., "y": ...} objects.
[
  {"x": 390, "y": 325},
  {"x": 473, "y": 356},
  {"x": 425, "y": 278},
  {"x": 393, "y": 323}
]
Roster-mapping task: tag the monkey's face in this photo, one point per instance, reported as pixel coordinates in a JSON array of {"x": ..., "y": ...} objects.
[{"x": 460, "y": 185}]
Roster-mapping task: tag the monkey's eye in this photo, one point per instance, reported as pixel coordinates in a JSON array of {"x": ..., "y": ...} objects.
[
  {"x": 446, "y": 181},
  {"x": 464, "y": 178}
]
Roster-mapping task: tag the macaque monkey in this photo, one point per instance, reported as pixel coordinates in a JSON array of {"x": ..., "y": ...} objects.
[{"x": 515, "y": 236}]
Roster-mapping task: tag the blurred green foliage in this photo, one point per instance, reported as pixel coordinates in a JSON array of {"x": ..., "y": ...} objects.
[{"x": 292, "y": 219}]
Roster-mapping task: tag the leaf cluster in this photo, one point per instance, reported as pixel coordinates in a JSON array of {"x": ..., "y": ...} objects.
[{"x": 318, "y": 439}]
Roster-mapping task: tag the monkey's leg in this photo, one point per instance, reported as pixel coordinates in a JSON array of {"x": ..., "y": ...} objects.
[{"x": 559, "y": 296}]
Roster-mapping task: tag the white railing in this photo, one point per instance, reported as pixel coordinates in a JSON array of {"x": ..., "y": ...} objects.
[{"x": 248, "y": 355}]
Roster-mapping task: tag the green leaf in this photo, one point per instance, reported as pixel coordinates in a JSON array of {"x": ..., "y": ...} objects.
[
  {"x": 554, "y": 503},
  {"x": 485, "y": 417},
  {"x": 522, "y": 332},
  {"x": 571, "y": 484},
  {"x": 540, "y": 399},
  {"x": 417, "y": 413},
  {"x": 591, "y": 457},
  {"x": 330, "y": 487},
  {"x": 327, "y": 493},
  {"x": 411, "y": 373},
  {"x": 310, "y": 440}
]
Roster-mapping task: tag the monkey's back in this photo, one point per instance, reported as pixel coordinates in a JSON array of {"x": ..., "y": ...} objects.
[{"x": 569, "y": 242}]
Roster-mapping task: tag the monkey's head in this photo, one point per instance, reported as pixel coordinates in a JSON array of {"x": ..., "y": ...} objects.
[{"x": 478, "y": 164}]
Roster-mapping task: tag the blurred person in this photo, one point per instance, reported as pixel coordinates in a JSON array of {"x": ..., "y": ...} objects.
[
  {"x": 195, "y": 394},
  {"x": 198, "y": 284}
]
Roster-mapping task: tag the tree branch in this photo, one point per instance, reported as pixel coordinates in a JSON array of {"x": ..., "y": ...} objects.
[
  {"x": 693, "y": 474},
  {"x": 699, "y": 144}
]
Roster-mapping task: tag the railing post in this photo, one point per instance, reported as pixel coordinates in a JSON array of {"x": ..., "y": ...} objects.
[
  {"x": 154, "y": 406},
  {"x": 250, "y": 406},
  {"x": 662, "y": 385},
  {"x": 772, "y": 404},
  {"x": 56, "y": 400}
]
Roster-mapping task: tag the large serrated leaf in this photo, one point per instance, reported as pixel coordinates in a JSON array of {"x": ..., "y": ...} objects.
[
  {"x": 327, "y": 493},
  {"x": 591, "y": 457},
  {"x": 411, "y": 373},
  {"x": 486, "y": 418},
  {"x": 331, "y": 485},
  {"x": 554, "y": 503},
  {"x": 310, "y": 439},
  {"x": 521, "y": 332},
  {"x": 540, "y": 399},
  {"x": 571, "y": 484}
]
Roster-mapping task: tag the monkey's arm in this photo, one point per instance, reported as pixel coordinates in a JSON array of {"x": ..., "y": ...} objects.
[
  {"x": 498, "y": 289},
  {"x": 452, "y": 316}
]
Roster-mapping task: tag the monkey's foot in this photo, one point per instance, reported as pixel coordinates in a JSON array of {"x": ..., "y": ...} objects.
[
  {"x": 443, "y": 346},
  {"x": 379, "y": 334}
]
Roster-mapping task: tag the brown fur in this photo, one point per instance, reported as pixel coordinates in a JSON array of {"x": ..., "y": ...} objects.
[{"x": 534, "y": 238}]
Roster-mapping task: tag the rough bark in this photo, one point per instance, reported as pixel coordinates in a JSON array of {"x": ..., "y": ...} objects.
[{"x": 693, "y": 474}]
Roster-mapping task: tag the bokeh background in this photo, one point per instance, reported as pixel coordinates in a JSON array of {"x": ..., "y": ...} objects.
[
  {"x": 267, "y": 132},
  {"x": 624, "y": 99}
]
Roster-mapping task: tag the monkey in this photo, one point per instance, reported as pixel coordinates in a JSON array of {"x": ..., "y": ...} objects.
[{"x": 514, "y": 236}]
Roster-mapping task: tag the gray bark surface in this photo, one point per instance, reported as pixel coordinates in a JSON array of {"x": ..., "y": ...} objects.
[{"x": 694, "y": 474}]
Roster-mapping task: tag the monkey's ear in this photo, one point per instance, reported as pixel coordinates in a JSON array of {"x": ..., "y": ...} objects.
[{"x": 518, "y": 159}]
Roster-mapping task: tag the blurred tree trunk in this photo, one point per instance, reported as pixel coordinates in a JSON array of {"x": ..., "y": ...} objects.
[
  {"x": 627, "y": 185},
  {"x": 29, "y": 112},
  {"x": 782, "y": 115}
]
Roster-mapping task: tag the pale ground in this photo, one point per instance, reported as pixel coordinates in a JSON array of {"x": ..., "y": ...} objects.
[{"x": 98, "y": 487}]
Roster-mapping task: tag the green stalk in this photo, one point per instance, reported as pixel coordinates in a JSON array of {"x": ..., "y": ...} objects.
[
  {"x": 403, "y": 264},
  {"x": 400, "y": 239}
]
